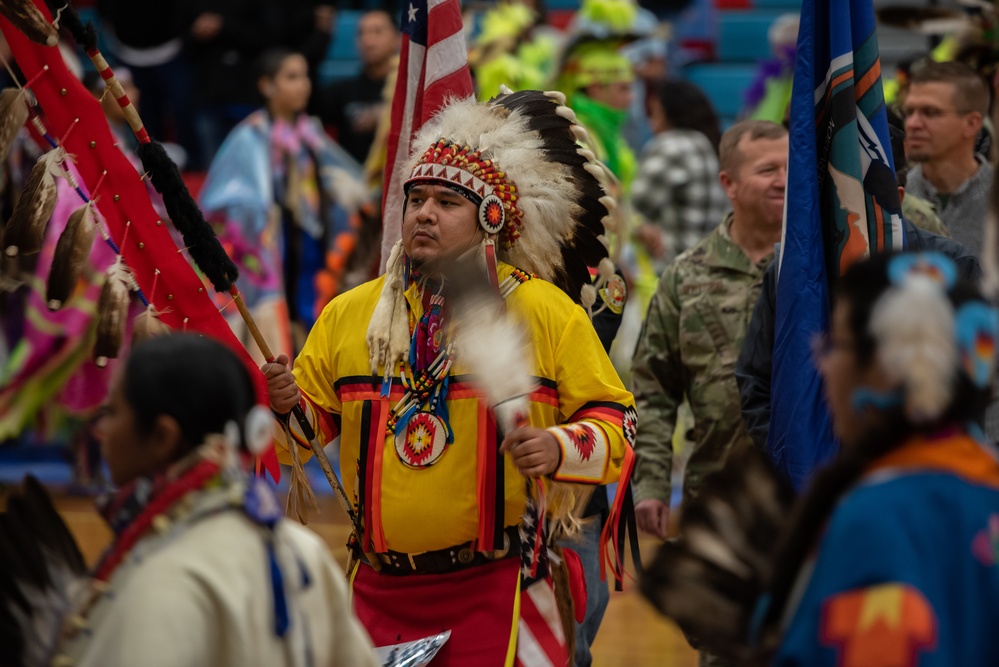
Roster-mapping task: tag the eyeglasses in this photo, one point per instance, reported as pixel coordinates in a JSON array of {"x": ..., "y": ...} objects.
[
  {"x": 823, "y": 345},
  {"x": 931, "y": 113}
]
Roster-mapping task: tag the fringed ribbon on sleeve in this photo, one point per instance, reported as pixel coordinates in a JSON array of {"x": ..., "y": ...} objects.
[{"x": 620, "y": 520}]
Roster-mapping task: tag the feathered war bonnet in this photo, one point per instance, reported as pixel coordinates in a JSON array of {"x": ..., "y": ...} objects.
[{"x": 538, "y": 191}]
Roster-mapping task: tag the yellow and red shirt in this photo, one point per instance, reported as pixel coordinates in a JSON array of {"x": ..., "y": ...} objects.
[{"x": 471, "y": 492}]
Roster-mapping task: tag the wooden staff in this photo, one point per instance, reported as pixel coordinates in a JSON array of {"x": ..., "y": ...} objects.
[
  {"x": 139, "y": 130},
  {"x": 299, "y": 414}
]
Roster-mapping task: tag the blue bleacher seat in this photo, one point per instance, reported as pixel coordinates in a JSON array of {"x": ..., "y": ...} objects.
[
  {"x": 343, "y": 46},
  {"x": 342, "y": 60},
  {"x": 724, "y": 84},
  {"x": 791, "y": 5},
  {"x": 552, "y": 5},
  {"x": 742, "y": 35},
  {"x": 334, "y": 70}
]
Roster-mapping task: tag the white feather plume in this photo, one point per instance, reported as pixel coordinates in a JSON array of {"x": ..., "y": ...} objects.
[
  {"x": 495, "y": 350},
  {"x": 913, "y": 325},
  {"x": 388, "y": 331}
]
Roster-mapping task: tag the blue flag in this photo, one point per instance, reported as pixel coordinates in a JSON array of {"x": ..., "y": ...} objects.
[{"x": 842, "y": 204}]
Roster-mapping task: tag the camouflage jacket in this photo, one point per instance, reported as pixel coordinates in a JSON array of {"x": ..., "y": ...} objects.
[{"x": 689, "y": 345}]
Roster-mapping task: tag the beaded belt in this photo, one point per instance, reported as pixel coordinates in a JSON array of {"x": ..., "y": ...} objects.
[{"x": 442, "y": 561}]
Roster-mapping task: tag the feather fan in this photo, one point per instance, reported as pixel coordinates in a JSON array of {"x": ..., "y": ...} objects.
[
  {"x": 25, "y": 231},
  {"x": 497, "y": 352},
  {"x": 112, "y": 312},
  {"x": 29, "y": 20},
  {"x": 42, "y": 576},
  {"x": 489, "y": 343},
  {"x": 13, "y": 116},
  {"x": 710, "y": 578},
  {"x": 70, "y": 256}
]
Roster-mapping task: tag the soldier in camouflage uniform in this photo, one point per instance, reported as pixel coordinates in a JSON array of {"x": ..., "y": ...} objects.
[{"x": 696, "y": 323}]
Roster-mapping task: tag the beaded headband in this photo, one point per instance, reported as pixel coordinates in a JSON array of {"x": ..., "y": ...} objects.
[{"x": 460, "y": 166}]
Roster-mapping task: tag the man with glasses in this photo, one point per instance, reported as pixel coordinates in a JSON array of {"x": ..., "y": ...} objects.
[{"x": 944, "y": 111}]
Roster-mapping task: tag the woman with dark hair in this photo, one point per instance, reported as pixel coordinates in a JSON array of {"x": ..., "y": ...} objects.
[
  {"x": 286, "y": 197},
  {"x": 890, "y": 557},
  {"x": 203, "y": 569},
  {"x": 677, "y": 189}
]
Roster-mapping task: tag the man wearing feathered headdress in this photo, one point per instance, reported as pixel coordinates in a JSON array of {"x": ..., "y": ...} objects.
[{"x": 445, "y": 488}]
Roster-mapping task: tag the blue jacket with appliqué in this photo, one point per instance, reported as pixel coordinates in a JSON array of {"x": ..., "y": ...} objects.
[{"x": 907, "y": 572}]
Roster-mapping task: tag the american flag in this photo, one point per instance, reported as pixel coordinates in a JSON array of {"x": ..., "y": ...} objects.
[{"x": 433, "y": 66}]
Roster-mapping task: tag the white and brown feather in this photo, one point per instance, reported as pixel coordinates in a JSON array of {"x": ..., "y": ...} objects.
[
  {"x": 27, "y": 18},
  {"x": 71, "y": 254},
  {"x": 112, "y": 312},
  {"x": 25, "y": 231},
  {"x": 13, "y": 116}
]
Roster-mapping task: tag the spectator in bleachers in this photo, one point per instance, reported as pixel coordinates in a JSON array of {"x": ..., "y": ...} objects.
[
  {"x": 285, "y": 196},
  {"x": 769, "y": 96},
  {"x": 308, "y": 29},
  {"x": 224, "y": 38},
  {"x": 944, "y": 110},
  {"x": 353, "y": 106},
  {"x": 649, "y": 61},
  {"x": 599, "y": 90},
  {"x": 513, "y": 48},
  {"x": 677, "y": 189},
  {"x": 148, "y": 38}
]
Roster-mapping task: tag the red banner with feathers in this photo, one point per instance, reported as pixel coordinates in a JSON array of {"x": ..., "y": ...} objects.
[{"x": 76, "y": 120}]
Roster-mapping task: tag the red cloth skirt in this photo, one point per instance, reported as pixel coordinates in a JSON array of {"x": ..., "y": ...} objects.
[{"x": 476, "y": 605}]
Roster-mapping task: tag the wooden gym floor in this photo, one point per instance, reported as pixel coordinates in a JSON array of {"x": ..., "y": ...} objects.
[{"x": 632, "y": 634}]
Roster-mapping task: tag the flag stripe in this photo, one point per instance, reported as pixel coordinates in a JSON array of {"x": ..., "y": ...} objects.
[
  {"x": 842, "y": 204},
  {"x": 441, "y": 58},
  {"x": 869, "y": 79},
  {"x": 529, "y": 651},
  {"x": 433, "y": 67}
]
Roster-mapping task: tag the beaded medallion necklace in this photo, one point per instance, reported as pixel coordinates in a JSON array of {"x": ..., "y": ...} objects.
[{"x": 419, "y": 421}]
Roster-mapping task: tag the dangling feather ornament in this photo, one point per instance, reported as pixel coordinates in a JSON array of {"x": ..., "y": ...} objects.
[
  {"x": 43, "y": 577},
  {"x": 70, "y": 256},
  {"x": 711, "y": 579},
  {"x": 112, "y": 312},
  {"x": 25, "y": 232},
  {"x": 13, "y": 116},
  {"x": 148, "y": 325},
  {"x": 29, "y": 20}
]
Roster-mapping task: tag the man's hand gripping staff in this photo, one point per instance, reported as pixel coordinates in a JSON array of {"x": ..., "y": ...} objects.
[{"x": 285, "y": 398}]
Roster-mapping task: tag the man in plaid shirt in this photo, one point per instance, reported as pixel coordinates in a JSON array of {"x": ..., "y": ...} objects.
[{"x": 677, "y": 189}]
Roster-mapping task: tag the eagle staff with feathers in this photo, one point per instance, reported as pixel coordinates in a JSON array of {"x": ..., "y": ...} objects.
[
  {"x": 115, "y": 203},
  {"x": 145, "y": 249},
  {"x": 480, "y": 408}
]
